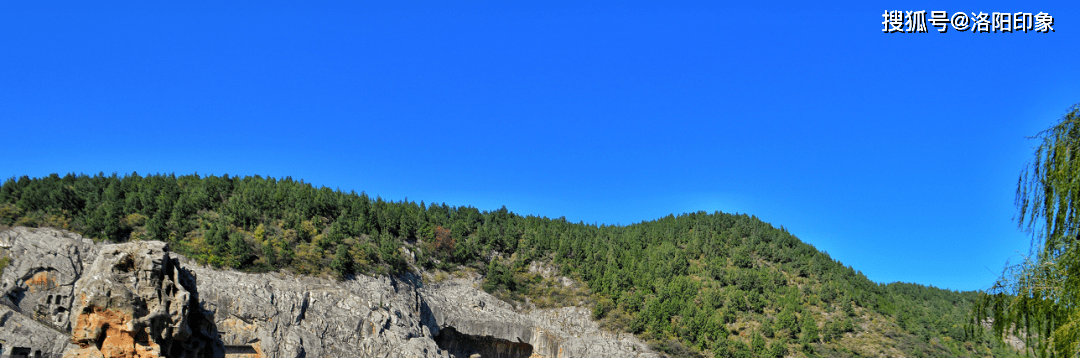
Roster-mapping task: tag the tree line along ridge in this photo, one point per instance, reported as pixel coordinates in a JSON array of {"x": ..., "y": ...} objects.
[{"x": 696, "y": 284}]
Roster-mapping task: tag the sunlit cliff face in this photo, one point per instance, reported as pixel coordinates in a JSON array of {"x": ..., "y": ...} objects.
[
  {"x": 134, "y": 305},
  {"x": 461, "y": 345}
]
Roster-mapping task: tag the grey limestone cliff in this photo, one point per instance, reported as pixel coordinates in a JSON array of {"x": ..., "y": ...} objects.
[
  {"x": 63, "y": 293},
  {"x": 559, "y": 332},
  {"x": 38, "y": 287}
]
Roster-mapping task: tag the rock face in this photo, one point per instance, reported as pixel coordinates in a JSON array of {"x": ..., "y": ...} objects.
[
  {"x": 285, "y": 316},
  {"x": 63, "y": 293},
  {"x": 136, "y": 301},
  {"x": 559, "y": 332},
  {"x": 38, "y": 287}
]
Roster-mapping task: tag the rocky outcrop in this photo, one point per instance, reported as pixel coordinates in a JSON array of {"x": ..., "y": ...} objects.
[
  {"x": 559, "y": 332},
  {"x": 136, "y": 301},
  {"x": 295, "y": 316},
  {"x": 38, "y": 287},
  {"x": 140, "y": 300},
  {"x": 44, "y": 265}
]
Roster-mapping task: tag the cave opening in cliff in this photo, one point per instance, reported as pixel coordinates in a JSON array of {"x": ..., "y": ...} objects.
[
  {"x": 461, "y": 345},
  {"x": 241, "y": 351}
]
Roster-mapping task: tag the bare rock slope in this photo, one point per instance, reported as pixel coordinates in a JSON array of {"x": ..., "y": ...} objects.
[{"x": 63, "y": 294}]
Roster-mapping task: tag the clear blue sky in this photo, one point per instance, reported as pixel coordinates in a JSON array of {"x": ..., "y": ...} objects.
[{"x": 896, "y": 153}]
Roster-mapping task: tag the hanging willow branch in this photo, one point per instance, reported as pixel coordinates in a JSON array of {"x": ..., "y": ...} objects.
[{"x": 1039, "y": 298}]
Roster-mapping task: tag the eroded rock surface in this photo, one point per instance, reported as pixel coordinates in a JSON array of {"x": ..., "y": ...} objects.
[
  {"x": 290, "y": 316},
  {"x": 136, "y": 301},
  {"x": 43, "y": 268},
  {"x": 139, "y": 300},
  {"x": 559, "y": 332}
]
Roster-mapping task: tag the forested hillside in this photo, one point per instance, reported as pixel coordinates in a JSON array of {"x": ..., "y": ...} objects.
[{"x": 698, "y": 284}]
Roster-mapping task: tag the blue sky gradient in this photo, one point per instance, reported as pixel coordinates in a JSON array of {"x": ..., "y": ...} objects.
[{"x": 898, "y": 154}]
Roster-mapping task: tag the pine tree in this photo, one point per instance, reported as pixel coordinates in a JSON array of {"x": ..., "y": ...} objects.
[
  {"x": 342, "y": 263},
  {"x": 809, "y": 330}
]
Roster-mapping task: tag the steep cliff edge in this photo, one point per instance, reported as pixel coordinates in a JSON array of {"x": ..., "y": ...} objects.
[{"x": 63, "y": 293}]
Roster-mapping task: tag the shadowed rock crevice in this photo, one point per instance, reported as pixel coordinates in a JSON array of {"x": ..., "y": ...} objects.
[{"x": 461, "y": 345}]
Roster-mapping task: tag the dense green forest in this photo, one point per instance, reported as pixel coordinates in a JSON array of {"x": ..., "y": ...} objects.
[{"x": 697, "y": 284}]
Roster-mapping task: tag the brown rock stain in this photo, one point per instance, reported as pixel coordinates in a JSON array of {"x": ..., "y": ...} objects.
[
  {"x": 234, "y": 324},
  {"x": 104, "y": 333},
  {"x": 245, "y": 355},
  {"x": 44, "y": 278},
  {"x": 258, "y": 349},
  {"x": 83, "y": 353}
]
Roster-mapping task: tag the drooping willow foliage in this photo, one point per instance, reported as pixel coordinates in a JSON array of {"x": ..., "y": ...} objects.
[{"x": 1038, "y": 298}]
